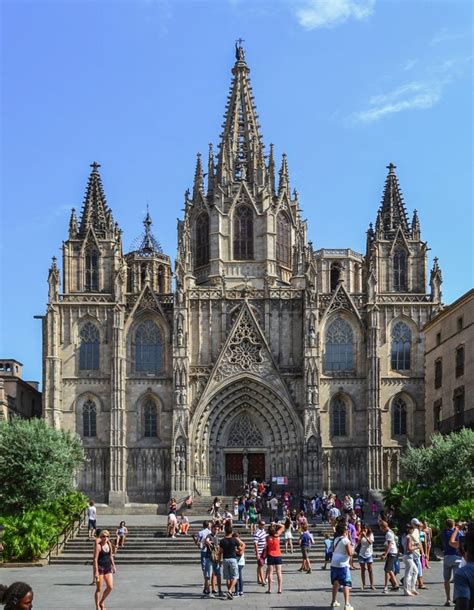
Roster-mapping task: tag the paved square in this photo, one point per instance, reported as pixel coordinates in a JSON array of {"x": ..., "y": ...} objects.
[{"x": 146, "y": 587}]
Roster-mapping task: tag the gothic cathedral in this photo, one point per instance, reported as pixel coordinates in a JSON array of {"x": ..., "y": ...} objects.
[{"x": 267, "y": 358}]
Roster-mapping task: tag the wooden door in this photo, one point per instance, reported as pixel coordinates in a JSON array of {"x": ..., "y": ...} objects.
[
  {"x": 257, "y": 466},
  {"x": 234, "y": 473}
]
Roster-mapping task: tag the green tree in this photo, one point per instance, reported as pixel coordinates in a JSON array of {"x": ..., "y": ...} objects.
[
  {"x": 447, "y": 464},
  {"x": 37, "y": 464}
]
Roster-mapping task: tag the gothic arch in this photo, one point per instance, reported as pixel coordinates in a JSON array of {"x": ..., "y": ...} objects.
[
  {"x": 281, "y": 428},
  {"x": 140, "y": 406},
  {"x": 410, "y": 405},
  {"x": 340, "y": 405},
  {"x": 413, "y": 330},
  {"x": 101, "y": 435},
  {"x": 349, "y": 322}
]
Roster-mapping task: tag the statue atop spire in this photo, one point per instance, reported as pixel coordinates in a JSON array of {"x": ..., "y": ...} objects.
[{"x": 239, "y": 50}]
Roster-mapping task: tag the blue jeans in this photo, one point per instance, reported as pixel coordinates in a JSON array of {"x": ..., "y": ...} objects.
[{"x": 240, "y": 582}]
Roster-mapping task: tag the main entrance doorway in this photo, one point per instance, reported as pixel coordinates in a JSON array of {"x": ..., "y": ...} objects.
[{"x": 241, "y": 468}]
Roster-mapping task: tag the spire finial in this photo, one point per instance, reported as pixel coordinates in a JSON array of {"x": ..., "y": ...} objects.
[
  {"x": 95, "y": 166},
  {"x": 239, "y": 51},
  {"x": 391, "y": 168}
]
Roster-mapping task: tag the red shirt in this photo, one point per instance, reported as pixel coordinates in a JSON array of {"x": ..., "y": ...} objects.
[{"x": 273, "y": 546}]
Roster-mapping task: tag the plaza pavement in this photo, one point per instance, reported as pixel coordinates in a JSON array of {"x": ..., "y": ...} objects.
[{"x": 166, "y": 586}]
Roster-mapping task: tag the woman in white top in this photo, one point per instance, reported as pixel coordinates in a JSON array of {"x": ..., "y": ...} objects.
[
  {"x": 340, "y": 570},
  {"x": 366, "y": 554}
]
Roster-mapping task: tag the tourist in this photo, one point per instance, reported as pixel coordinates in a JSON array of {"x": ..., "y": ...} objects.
[
  {"x": 389, "y": 555},
  {"x": 18, "y": 596},
  {"x": 306, "y": 540},
  {"x": 214, "y": 510},
  {"x": 172, "y": 506},
  {"x": 91, "y": 514},
  {"x": 464, "y": 576},
  {"x": 450, "y": 537},
  {"x": 172, "y": 526},
  {"x": 199, "y": 541},
  {"x": 183, "y": 524},
  {"x": 260, "y": 544},
  {"x": 365, "y": 553},
  {"x": 242, "y": 509},
  {"x": 418, "y": 552},
  {"x": 121, "y": 535},
  {"x": 428, "y": 541},
  {"x": 273, "y": 508},
  {"x": 374, "y": 507},
  {"x": 227, "y": 515},
  {"x": 359, "y": 506},
  {"x": 351, "y": 528},
  {"x": 253, "y": 518},
  {"x": 274, "y": 559},
  {"x": 104, "y": 568},
  {"x": 411, "y": 571},
  {"x": 333, "y": 514},
  {"x": 212, "y": 576},
  {"x": 301, "y": 521},
  {"x": 347, "y": 504},
  {"x": 288, "y": 535},
  {"x": 235, "y": 504},
  {"x": 328, "y": 546},
  {"x": 340, "y": 571},
  {"x": 228, "y": 556},
  {"x": 240, "y": 564}
]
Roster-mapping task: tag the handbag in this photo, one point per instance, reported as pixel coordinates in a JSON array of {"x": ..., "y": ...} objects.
[{"x": 214, "y": 553}]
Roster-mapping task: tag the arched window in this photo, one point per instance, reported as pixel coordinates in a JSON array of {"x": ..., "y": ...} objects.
[
  {"x": 400, "y": 270},
  {"x": 150, "y": 419},
  {"x": 243, "y": 233},
  {"x": 91, "y": 283},
  {"x": 401, "y": 347},
  {"x": 283, "y": 240},
  {"x": 148, "y": 348},
  {"x": 89, "y": 347},
  {"x": 143, "y": 272},
  {"x": 161, "y": 279},
  {"x": 202, "y": 239},
  {"x": 399, "y": 417},
  {"x": 335, "y": 275},
  {"x": 338, "y": 417},
  {"x": 339, "y": 352},
  {"x": 89, "y": 419}
]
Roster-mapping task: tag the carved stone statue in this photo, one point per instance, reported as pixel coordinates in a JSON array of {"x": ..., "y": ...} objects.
[
  {"x": 312, "y": 337},
  {"x": 180, "y": 337}
]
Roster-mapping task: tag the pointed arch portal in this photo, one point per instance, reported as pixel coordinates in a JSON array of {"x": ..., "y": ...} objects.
[{"x": 246, "y": 430}]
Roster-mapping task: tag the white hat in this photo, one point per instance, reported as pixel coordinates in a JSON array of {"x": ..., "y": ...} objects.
[{"x": 415, "y": 521}]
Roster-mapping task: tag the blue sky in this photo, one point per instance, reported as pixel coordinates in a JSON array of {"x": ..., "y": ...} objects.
[{"x": 343, "y": 87}]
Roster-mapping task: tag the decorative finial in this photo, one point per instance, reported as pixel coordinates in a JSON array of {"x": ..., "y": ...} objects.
[
  {"x": 239, "y": 51},
  {"x": 391, "y": 168},
  {"x": 95, "y": 166}
]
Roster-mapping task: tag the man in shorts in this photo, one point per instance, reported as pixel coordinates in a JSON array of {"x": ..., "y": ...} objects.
[
  {"x": 389, "y": 556},
  {"x": 260, "y": 543},
  {"x": 228, "y": 556},
  {"x": 199, "y": 542},
  {"x": 213, "y": 568}
]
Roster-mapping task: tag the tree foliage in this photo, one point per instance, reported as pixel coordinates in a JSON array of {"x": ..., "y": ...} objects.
[
  {"x": 37, "y": 464},
  {"x": 448, "y": 462}
]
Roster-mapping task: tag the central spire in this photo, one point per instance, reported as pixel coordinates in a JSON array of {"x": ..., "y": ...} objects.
[{"x": 240, "y": 150}]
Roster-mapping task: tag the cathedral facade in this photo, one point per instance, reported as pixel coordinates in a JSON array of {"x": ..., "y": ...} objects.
[{"x": 267, "y": 358}]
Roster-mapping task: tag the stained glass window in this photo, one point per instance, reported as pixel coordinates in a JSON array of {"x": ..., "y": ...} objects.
[
  {"x": 243, "y": 233},
  {"x": 89, "y": 419},
  {"x": 283, "y": 240},
  {"x": 148, "y": 348},
  {"x": 339, "y": 353},
  {"x": 202, "y": 239},
  {"x": 150, "y": 419},
  {"x": 399, "y": 417},
  {"x": 338, "y": 417},
  {"x": 89, "y": 347},
  {"x": 401, "y": 347},
  {"x": 400, "y": 270},
  {"x": 91, "y": 283}
]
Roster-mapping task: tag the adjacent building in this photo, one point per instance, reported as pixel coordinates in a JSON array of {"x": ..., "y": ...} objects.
[
  {"x": 268, "y": 358},
  {"x": 17, "y": 397},
  {"x": 449, "y": 367}
]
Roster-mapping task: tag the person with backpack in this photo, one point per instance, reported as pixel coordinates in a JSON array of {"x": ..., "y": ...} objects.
[{"x": 212, "y": 575}]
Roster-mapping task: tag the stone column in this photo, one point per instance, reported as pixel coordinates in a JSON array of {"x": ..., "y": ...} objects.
[
  {"x": 374, "y": 423},
  {"x": 118, "y": 424}
]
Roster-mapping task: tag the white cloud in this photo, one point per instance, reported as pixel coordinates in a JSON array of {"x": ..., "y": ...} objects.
[
  {"x": 410, "y": 64},
  {"x": 414, "y": 95},
  {"x": 328, "y": 13}
]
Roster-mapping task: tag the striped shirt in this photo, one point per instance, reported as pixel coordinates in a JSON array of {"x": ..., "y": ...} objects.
[{"x": 260, "y": 539}]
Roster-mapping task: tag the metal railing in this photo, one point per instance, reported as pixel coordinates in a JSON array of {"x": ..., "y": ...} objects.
[
  {"x": 464, "y": 419},
  {"x": 70, "y": 531}
]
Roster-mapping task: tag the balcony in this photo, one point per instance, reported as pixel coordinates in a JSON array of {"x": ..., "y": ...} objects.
[{"x": 458, "y": 421}]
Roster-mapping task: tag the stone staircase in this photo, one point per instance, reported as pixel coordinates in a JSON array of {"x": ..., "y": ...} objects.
[{"x": 148, "y": 544}]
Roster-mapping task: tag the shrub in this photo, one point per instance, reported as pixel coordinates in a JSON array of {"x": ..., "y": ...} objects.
[
  {"x": 37, "y": 464},
  {"x": 30, "y": 534}
]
